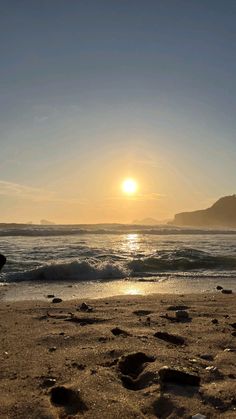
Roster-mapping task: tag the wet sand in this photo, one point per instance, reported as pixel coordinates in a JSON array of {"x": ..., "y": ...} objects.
[{"x": 111, "y": 362}]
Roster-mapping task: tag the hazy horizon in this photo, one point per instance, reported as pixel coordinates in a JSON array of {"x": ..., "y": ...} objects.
[{"x": 96, "y": 92}]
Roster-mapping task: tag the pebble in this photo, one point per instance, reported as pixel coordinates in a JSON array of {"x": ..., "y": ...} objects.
[
  {"x": 211, "y": 369},
  {"x": 52, "y": 349},
  {"x": 219, "y": 287},
  {"x": 49, "y": 382},
  {"x": 214, "y": 321},
  {"x": 56, "y": 300},
  {"x": 50, "y": 296},
  {"x": 227, "y": 291},
  {"x": 85, "y": 307}
]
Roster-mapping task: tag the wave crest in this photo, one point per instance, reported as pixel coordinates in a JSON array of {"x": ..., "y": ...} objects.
[{"x": 86, "y": 270}]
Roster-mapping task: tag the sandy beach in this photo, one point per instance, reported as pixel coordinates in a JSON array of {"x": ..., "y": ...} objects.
[{"x": 106, "y": 359}]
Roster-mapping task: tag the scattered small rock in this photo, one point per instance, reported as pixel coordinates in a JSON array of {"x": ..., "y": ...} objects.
[
  {"x": 52, "y": 349},
  {"x": 226, "y": 291},
  {"x": 211, "y": 369},
  {"x": 50, "y": 296},
  {"x": 142, "y": 312},
  {"x": 233, "y": 333},
  {"x": 233, "y": 325},
  {"x": 219, "y": 287},
  {"x": 119, "y": 332},
  {"x": 175, "y": 376},
  {"x": 56, "y": 300},
  {"x": 48, "y": 382},
  {"x": 168, "y": 337},
  {"x": 215, "y": 321},
  {"x": 85, "y": 307}
]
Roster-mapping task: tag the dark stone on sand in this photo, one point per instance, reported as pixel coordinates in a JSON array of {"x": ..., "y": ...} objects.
[
  {"x": 175, "y": 376},
  {"x": 50, "y": 296},
  {"x": 68, "y": 398},
  {"x": 49, "y": 382},
  {"x": 133, "y": 364},
  {"x": 119, "y": 332},
  {"x": 85, "y": 307},
  {"x": 168, "y": 337},
  {"x": 52, "y": 349},
  {"x": 142, "y": 312},
  {"x": 56, "y": 300},
  {"x": 219, "y": 287},
  {"x": 233, "y": 325},
  {"x": 2, "y": 260},
  {"x": 233, "y": 333},
  {"x": 226, "y": 291},
  {"x": 215, "y": 321},
  {"x": 177, "y": 307}
]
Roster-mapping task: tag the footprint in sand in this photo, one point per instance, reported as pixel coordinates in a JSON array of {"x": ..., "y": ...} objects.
[{"x": 131, "y": 368}]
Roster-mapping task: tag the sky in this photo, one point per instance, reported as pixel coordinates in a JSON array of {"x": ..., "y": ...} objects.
[{"x": 95, "y": 91}]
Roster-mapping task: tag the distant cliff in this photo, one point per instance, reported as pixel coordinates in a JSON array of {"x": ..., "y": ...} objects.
[{"x": 221, "y": 214}]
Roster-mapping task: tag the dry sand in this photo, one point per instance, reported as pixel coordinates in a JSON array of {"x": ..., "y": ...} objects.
[{"x": 46, "y": 345}]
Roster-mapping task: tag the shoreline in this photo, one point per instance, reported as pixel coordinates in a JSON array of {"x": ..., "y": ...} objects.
[
  {"x": 70, "y": 290},
  {"x": 46, "y": 345}
]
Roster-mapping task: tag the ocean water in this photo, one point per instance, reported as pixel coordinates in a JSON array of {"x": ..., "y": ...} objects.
[{"x": 95, "y": 254}]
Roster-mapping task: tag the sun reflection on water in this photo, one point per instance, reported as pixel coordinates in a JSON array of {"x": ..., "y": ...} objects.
[
  {"x": 131, "y": 242},
  {"x": 132, "y": 290}
]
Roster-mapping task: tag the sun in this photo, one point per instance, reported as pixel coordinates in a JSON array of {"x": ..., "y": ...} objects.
[{"x": 129, "y": 186}]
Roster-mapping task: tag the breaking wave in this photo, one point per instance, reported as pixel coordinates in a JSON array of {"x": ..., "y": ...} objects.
[
  {"x": 179, "y": 262},
  {"x": 86, "y": 270},
  {"x": 182, "y": 259}
]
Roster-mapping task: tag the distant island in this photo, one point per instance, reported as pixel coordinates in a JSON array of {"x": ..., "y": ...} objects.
[{"x": 221, "y": 214}]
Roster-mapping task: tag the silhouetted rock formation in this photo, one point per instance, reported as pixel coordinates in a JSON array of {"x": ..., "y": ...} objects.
[{"x": 221, "y": 214}]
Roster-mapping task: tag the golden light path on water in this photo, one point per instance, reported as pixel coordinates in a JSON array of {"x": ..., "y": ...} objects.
[{"x": 131, "y": 242}]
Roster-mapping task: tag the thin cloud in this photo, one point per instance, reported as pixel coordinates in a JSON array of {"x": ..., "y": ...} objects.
[
  {"x": 12, "y": 189},
  {"x": 23, "y": 191}
]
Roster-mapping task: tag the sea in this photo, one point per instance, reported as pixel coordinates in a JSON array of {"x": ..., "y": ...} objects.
[{"x": 94, "y": 261}]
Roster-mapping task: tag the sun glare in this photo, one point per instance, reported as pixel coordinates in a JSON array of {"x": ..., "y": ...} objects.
[{"x": 129, "y": 186}]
